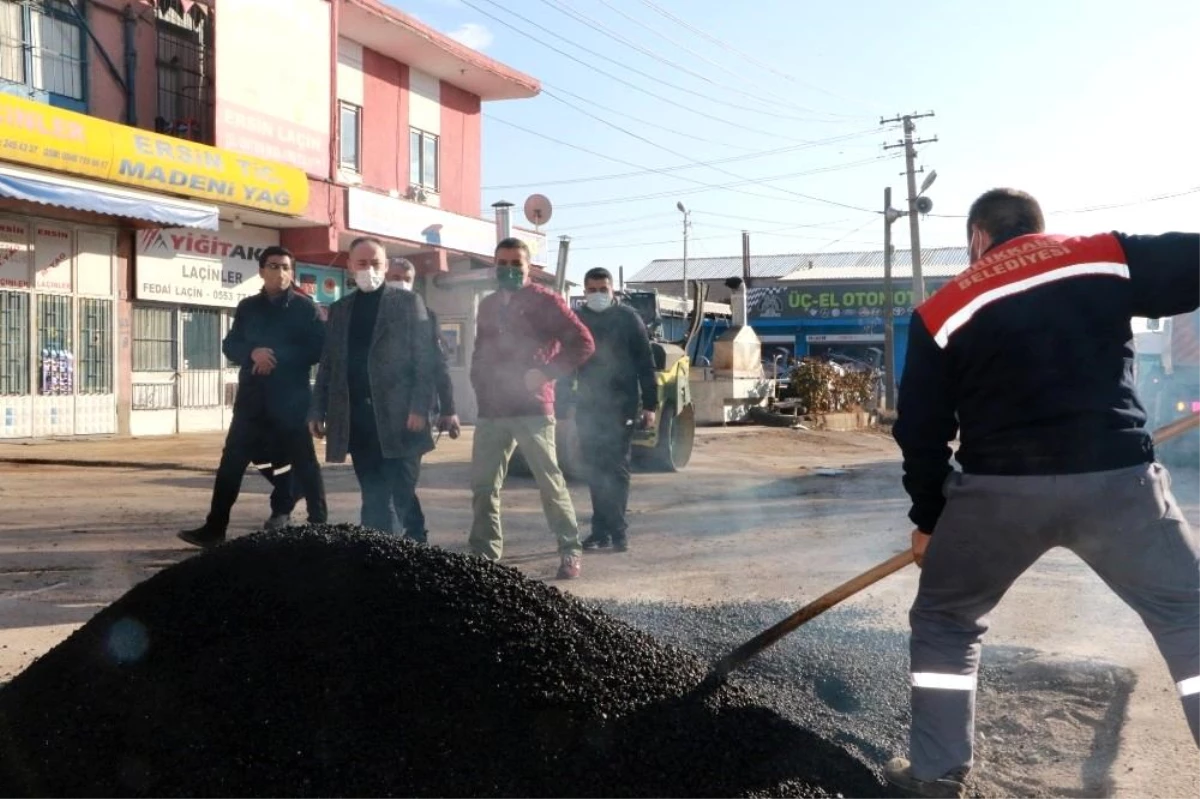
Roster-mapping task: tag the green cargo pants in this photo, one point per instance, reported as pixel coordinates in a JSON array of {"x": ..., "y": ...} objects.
[{"x": 494, "y": 443}]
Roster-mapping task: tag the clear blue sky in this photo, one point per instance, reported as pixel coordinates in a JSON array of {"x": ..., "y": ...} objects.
[{"x": 1084, "y": 103}]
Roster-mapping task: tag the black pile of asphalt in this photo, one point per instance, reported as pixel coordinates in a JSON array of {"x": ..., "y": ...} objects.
[{"x": 333, "y": 661}]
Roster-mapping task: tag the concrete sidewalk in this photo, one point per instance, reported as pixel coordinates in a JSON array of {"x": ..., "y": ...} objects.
[
  {"x": 186, "y": 452},
  {"x": 191, "y": 452}
]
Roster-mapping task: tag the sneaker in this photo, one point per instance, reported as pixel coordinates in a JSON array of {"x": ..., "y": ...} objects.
[
  {"x": 203, "y": 537},
  {"x": 596, "y": 541},
  {"x": 898, "y": 773},
  {"x": 278, "y": 521},
  {"x": 570, "y": 567},
  {"x": 620, "y": 545}
]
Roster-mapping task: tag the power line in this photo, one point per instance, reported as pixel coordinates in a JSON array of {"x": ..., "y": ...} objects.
[
  {"x": 606, "y": 31},
  {"x": 676, "y": 240},
  {"x": 730, "y": 186},
  {"x": 660, "y": 81},
  {"x": 645, "y": 122},
  {"x": 729, "y": 48},
  {"x": 1106, "y": 207},
  {"x": 729, "y": 160},
  {"x": 695, "y": 54},
  {"x": 704, "y": 186},
  {"x": 652, "y": 143}
]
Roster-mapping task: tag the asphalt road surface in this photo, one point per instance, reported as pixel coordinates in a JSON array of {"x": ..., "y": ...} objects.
[{"x": 1074, "y": 700}]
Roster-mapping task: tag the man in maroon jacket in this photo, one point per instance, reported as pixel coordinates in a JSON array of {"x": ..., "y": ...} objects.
[{"x": 526, "y": 337}]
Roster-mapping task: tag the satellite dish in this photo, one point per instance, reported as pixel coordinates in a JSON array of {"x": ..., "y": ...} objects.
[
  {"x": 924, "y": 205},
  {"x": 538, "y": 209}
]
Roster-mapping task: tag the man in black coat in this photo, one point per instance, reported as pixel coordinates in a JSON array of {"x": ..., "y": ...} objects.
[
  {"x": 403, "y": 275},
  {"x": 610, "y": 388},
  {"x": 277, "y": 336}
]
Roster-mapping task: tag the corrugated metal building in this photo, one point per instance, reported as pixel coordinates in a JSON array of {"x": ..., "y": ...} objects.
[{"x": 817, "y": 303}]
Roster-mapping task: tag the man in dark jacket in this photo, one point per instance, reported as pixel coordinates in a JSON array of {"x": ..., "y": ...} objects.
[
  {"x": 375, "y": 386},
  {"x": 1028, "y": 357},
  {"x": 526, "y": 337},
  {"x": 616, "y": 393},
  {"x": 403, "y": 275},
  {"x": 276, "y": 337}
]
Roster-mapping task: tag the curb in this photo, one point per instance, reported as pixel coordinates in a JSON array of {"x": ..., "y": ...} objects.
[{"x": 166, "y": 466}]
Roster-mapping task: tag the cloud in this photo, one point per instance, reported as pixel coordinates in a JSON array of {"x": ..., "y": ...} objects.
[{"x": 473, "y": 35}]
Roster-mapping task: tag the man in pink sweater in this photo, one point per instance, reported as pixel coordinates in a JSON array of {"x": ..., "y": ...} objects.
[{"x": 526, "y": 338}]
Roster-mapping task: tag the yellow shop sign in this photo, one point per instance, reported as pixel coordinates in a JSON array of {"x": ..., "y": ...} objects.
[{"x": 40, "y": 136}]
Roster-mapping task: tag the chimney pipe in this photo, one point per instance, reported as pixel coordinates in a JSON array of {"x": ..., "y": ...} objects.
[
  {"x": 560, "y": 277},
  {"x": 503, "y": 220}
]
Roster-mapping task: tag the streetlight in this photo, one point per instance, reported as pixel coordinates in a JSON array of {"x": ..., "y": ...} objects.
[{"x": 686, "y": 224}]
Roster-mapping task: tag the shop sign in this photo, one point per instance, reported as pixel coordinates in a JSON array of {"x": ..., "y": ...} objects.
[
  {"x": 14, "y": 254},
  {"x": 187, "y": 268},
  {"x": 392, "y": 217},
  {"x": 324, "y": 285},
  {"x": 40, "y": 136},
  {"x": 832, "y": 301},
  {"x": 52, "y": 261}
]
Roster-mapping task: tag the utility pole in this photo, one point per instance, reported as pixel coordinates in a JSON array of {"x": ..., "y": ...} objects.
[
  {"x": 890, "y": 215},
  {"x": 687, "y": 223},
  {"x": 910, "y": 157}
]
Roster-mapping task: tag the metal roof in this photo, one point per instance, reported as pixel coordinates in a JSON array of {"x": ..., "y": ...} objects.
[{"x": 935, "y": 262}]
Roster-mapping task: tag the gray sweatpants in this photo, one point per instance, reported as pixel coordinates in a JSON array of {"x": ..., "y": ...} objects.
[{"x": 1125, "y": 524}]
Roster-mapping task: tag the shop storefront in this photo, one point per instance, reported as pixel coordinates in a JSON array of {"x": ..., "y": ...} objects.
[
  {"x": 841, "y": 320},
  {"x": 57, "y": 328},
  {"x": 186, "y": 288},
  {"x": 114, "y": 288}
]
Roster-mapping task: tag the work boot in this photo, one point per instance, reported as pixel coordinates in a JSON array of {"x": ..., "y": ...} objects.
[
  {"x": 278, "y": 521},
  {"x": 620, "y": 544},
  {"x": 418, "y": 536},
  {"x": 898, "y": 773},
  {"x": 203, "y": 536},
  {"x": 570, "y": 567},
  {"x": 596, "y": 541}
]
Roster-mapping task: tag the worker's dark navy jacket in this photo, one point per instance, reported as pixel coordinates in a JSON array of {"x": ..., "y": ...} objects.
[
  {"x": 291, "y": 326},
  {"x": 1028, "y": 357},
  {"x": 621, "y": 372}
]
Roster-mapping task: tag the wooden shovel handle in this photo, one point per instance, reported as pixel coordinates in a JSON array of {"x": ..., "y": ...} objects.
[
  {"x": 810, "y": 611},
  {"x": 1176, "y": 428}
]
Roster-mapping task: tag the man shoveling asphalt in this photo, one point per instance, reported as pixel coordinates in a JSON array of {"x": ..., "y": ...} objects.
[{"x": 1027, "y": 356}]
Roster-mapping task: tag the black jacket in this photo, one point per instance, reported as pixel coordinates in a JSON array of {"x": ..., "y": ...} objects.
[
  {"x": 444, "y": 388},
  {"x": 622, "y": 369},
  {"x": 1028, "y": 357},
  {"x": 292, "y": 328}
]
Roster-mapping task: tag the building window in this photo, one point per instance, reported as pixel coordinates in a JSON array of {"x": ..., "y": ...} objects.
[
  {"x": 154, "y": 342},
  {"x": 423, "y": 159},
  {"x": 95, "y": 346},
  {"x": 55, "y": 337},
  {"x": 185, "y": 71},
  {"x": 14, "y": 344},
  {"x": 350, "y": 134},
  {"x": 41, "y": 50}
]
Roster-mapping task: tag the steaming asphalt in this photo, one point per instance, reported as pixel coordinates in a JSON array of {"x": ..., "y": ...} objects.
[{"x": 845, "y": 676}]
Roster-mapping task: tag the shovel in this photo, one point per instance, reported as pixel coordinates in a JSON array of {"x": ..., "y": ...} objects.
[{"x": 738, "y": 657}]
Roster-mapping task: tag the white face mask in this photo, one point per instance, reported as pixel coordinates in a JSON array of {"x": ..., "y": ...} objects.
[
  {"x": 400, "y": 284},
  {"x": 368, "y": 279},
  {"x": 599, "y": 300}
]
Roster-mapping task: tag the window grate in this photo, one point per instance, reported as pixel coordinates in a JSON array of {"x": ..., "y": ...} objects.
[
  {"x": 185, "y": 65},
  {"x": 154, "y": 341},
  {"x": 14, "y": 344},
  {"x": 56, "y": 338},
  {"x": 95, "y": 346},
  {"x": 41, "y": 48}
]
